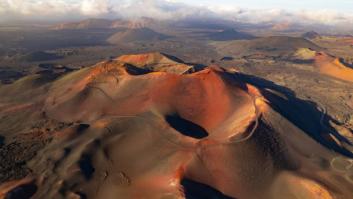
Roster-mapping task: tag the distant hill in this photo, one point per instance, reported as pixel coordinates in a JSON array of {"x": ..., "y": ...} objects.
[
  {"x": 150, "y": 59},
  {"x": 282, "y": 43},
  {"x": 157, "y": 61},
  {"x": 311, "y": 35},
  {"x": 136, "y": 34},
  {"x": 230, "y": 34},
  {"x": 266, "y": 46}
]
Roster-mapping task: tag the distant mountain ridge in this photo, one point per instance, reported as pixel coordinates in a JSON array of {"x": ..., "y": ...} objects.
[
  {"x": 136, "y": 34},
  {"x": 95, "y": 23},
  {"x": 311, "y": 35},
  {"x": 230, "y": 34}
]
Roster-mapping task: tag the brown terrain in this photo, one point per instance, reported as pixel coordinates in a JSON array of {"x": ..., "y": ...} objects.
[
  {"x": 136, "y": 127},
  {"x": 206, "y": 109}
]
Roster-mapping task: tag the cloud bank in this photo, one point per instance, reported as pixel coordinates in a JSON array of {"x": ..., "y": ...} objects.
[{"x": 160, "y": 9}]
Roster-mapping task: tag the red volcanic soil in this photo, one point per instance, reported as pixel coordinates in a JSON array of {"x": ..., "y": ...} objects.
[
  {"x": 195, "y": 97},
  {"x": 332, "y": 66},
  {"x": 124, "y": 134}
]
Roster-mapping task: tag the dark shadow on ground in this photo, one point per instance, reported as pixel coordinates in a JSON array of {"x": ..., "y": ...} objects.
[
  {"x": 86, "y": 166},
  {"x": 300, "y": 61},
  {"x": 346, "y": 63},
  {"x": 2, "y": 141},
  {"x": 25, "y": 191},
  {"x": 302, "y": 113},
  {"x": 9, "y": 76}
]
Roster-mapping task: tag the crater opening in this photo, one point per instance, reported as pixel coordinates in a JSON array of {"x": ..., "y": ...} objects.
[
  {"x": 196, "y": 190},
  {"x": 186, "y": 127}
]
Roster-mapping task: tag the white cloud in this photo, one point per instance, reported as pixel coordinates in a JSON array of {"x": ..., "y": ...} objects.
[
  {"x": 28, "y": 8},
  {"x": 161, "y": 9},
  {"x": 52, "y": 9},
  {"x": 95, "y": 7}
]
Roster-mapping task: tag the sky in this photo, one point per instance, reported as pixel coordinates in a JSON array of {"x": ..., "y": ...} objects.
[
  {"x": 329, "y": 12},
  {"x": 338, "y": 5}
]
